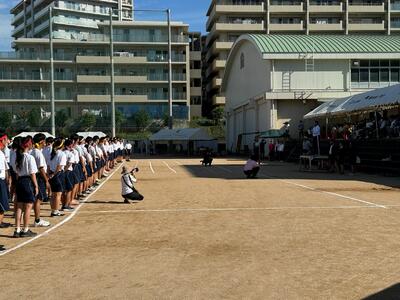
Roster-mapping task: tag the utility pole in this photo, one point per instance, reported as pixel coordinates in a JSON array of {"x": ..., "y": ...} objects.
[
  {"x": 112, "y": 75},
  {"x": 170, "y": 93},
  {"x": 52, "y": 96}
]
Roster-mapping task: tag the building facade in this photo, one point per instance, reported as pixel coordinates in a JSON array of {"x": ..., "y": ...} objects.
[
  {"x": 82, "y": 71},
  {"x": 71, "y": 18},
  {"x": 196, "y": 93},
  {"x": 228, "y": 19},
  {"x": 271, "y": 80}
]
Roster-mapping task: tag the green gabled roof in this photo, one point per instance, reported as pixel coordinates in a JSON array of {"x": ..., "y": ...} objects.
[{"x": 270, "y": 43}]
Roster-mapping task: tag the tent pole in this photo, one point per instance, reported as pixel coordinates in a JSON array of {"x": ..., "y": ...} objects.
[
  {"x": 376, "y": 126},
  {"x": 326, "y": 126}
]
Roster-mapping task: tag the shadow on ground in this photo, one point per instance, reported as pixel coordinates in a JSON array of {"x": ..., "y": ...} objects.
[{"x": 390, "y": 293}]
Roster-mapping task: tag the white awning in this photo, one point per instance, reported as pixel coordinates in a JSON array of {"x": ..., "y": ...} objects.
[
  {"x": 383, "y": 98},
  {"x": 186, "y": 134},
  {"x": 91, "y": 134},
  {"x": 33, "y": 133}
]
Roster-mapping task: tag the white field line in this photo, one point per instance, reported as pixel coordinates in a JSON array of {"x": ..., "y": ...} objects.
[
  {"x": 62, "y": 222},
  {"x": 325, "y": 192},
  {"x": 180, "y": 210},
  {"x": 151, "y": 167},
  {"x": 169, "y": 167},
  {"x": 178, "y": 162}
]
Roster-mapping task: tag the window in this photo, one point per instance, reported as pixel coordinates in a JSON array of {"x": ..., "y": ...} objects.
[{"x": 241, "y": 61}]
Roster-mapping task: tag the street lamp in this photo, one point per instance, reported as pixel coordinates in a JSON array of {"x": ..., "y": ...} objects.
[{"x": 170, "y": 94}]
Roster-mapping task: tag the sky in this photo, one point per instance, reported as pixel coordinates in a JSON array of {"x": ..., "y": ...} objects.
[{"x": 192, "y": 12}]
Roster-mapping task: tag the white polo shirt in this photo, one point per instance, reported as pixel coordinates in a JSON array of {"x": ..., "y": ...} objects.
[
  {"x": 59, "y": 159},
  {"x": 127, "y": 181},
  {"x": 39, "y": 158},
  {"x": 250, "y": 165},
  {"x": 70, "y": 159},
  {"x": 28, "y": 165},
  {"x": 3, "y": 165},
  {"x": 47, "y": 153}
]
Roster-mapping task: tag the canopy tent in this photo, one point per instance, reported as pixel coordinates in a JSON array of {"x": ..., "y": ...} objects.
[
  {"x": 383, "y": 98},
  {"x": 186, "y": 134},
  {"x": 273, "y": 133},
  {"x": 32, "y": 133},
  {"x": 91, "y": 134}
]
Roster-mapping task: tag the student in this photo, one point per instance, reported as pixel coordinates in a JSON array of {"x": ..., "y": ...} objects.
[
  {"x": 207, "y": 159},
  {"x": 128, "y": 151},
  {"x": 69, "y": 176},
  {"x": 58, "y": 161},
  {"x": 26, "y": 187},
  {"x": 128, "y": 190},
  {"x": 4, "y": 204},
  {"x": 251, "y": 168},
  {"x": 41, "y": 177}
]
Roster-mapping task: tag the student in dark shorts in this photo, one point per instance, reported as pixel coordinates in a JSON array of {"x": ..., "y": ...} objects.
[
  {"x": 26, "y": 187},
  {"x": 4, "y": 206}
]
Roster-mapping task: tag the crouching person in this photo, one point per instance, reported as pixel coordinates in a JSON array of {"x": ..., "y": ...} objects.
[
  {"x": 251, "y": 167},
  {"x": 128, "y": 190}
]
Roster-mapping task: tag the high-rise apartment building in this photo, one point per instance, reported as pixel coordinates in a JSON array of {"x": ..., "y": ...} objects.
[
  {"x": 228, "y": 19},
  {"x": 196, "y": 93},
  {"x": 71, "y": 17},
  {"x": 82, "y": 64}
]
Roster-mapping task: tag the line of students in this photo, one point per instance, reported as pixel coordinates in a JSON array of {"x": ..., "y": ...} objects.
[{"x": 60, "y": 171}]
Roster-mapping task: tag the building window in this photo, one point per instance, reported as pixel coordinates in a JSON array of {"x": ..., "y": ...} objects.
[
  {"x": 374, "y": 73},
  {"x": 241, "y": 61}
]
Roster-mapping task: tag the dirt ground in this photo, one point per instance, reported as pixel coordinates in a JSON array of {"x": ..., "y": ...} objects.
[{"x": 208, "y": 233}]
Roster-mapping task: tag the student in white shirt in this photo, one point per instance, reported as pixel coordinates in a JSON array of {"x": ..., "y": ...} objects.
[
  {"x": 251, "y": 167},
  {"x": 4, "y": 206},
  {"x": 41, "y": 177},
  {"x": 26, "y": 187},
  {"x": 128, "y": 151},
  {"x": 69, "y": 176},
  {"x": 47, "y": 149},
  {"x": 127, "y": 181},
  {"x": 57, "y": 163},
  {"x": 316, "y": 133}
]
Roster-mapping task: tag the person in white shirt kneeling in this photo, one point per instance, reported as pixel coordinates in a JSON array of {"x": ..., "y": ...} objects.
[
  {"x": 251, "y": 168},
  {"x": 128, "y": 190}
]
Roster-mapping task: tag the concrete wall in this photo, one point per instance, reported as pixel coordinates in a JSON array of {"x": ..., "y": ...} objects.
[
  {"x": 327, "y": 75},
  {"x": 253, "y": 80}
]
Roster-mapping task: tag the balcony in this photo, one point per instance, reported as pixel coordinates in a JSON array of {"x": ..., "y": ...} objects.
[
  {"x": 218, "y": 100},
  {"x": 367, "y": 8},
  {"x": 326, "y": 26},
  {"x": 355, "y": 25},
  {"x": 328, "y": 7},
  {"x": 221, "y": 46},
  {"x": 92, "y": 59},
  {"x": 24, "y": 76},
  {"x": 75, "y": 22},
  {"x": 195, "y": 73},
  {"x": 216, "y": 83},
  {"x": 195, "y": 91},
  {"x": 229, "y": 8},
  {"x": 219, "y": 64},
  {"x": 286, "y": 26},
  {"x": 195, "y": 55},
  {"x": 131, "y": 79},
  {"x": 93, "y": 98},
  {"x": 286, "y": 7},
  {"x": 24, "y": 56},
  {"x": 395, "y": 7},
  {"x": 93, "y": 79},
  {"x": 238, "y": 26}
]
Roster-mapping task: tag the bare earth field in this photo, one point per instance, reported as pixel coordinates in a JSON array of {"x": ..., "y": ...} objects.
[{"x": 208, "y": 233}]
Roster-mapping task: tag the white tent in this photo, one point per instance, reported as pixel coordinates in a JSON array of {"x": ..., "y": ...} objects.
[
  {"x": 186, "y": 134},
  {"x": 91, "y": 134},
  {"x": 382, "y": 98},
  {"x": 26, "y": 133}
]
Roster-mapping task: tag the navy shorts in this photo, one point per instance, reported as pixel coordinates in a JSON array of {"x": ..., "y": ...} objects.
[
  {"x": 69, "y": 181},
  {"x": 4, "y": 206},
  {"x": 82, "y": 177},
  {"x": 88, "y": 170},
  {"x": 76, "y": 175},
  {"x": 57, "y": 182},
  {"x": 25, "y": 190},
  {"x": 42, "y": 188}
]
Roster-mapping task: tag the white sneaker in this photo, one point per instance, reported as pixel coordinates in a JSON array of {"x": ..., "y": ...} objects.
[{"x": 42, "y": 223}]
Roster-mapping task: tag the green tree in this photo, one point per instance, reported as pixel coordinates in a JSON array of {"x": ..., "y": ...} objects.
[
  {"x": 5, "y": 119},
  {"x": 141, "y": 119},
  {"x": 88, "y": 120},
  {"x": 61, "y": 118},
  {"x": 217, "y": 114},
  {"x": 119, "y": 118},
  {"x": 34, "y": 117}
]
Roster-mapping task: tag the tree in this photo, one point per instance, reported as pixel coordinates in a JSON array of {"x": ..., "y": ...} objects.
[
  {"x": 119, "y": 118},
  {"x": 5, "y": 119},
  {"x": 217, "y": 114},
  {"x": 34, "y": 117},
  {"x": 88, "y": 120},
  {"x": 141, "y": 119},
  {"x": 61, "y": 118}
]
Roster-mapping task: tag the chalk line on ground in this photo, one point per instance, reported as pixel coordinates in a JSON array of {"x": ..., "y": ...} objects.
[
  {"x": 169, "y": 167},
  {"x": 151, "y": 167}
]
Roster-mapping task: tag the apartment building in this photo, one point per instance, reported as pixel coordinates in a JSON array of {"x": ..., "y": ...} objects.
[
  {"x": 82, "y": 70},
  {"x": 71, "y": 17},
  {"x": 228, "y": 19},
  {"x": 196, "y": 93}
]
